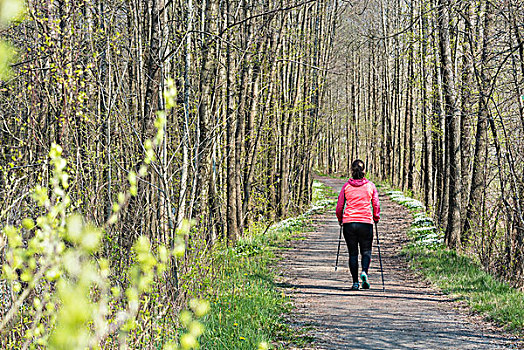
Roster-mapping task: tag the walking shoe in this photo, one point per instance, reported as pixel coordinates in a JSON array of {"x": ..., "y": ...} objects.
[
  {"x": 355, "y": 286},
  {"x": 364, "y": 278}
]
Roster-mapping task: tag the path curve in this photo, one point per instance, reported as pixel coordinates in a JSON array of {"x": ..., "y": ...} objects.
[{"x": 409, "y": 315}]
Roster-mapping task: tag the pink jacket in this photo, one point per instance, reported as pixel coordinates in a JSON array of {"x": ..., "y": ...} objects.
[{"x": 357, "y": 195}]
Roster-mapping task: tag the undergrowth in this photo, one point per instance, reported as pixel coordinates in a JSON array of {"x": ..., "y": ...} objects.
[
  {"x": 247, "y": 307},
  {"x": 456, "y": 274}
]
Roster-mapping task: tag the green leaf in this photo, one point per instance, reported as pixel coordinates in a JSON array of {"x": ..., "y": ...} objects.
[
  {"x": 9, "y": 9},
  {"x": 7, "y": 58}
]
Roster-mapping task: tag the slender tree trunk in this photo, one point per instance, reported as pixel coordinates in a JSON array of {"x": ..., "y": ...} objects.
[
  {"x": 204, "y": 182},
  {"x": 425, "y": 154},
  {"x": 453, "y": 229},
  {"x": 410, "y": 161},
  {"x": 182, "y": 197},
  {"x": 231, "y": 188}
]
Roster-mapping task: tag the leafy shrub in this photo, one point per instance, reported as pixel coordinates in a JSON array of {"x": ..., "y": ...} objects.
[{"x": 61, "y": 287}]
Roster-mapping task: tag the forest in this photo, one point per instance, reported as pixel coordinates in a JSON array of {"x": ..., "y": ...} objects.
[
  {"x": 430, "y": 95},
  {"x": 141, "y": 138}
]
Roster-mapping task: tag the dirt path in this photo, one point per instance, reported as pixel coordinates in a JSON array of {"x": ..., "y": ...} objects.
[{"x": 409, "y": 315}]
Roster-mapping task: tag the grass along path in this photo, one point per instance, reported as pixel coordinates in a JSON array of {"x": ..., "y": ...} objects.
[
  {"x": 247, "y": 308},
  {"x": 462, "y": 279},
  {"x": 458, "y": 275}
]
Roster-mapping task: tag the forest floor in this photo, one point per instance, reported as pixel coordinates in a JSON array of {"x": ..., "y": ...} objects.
[{"x": 410, "y": 314}]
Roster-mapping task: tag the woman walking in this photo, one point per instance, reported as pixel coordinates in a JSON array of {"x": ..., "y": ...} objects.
[{"x": 357, "y": 219}]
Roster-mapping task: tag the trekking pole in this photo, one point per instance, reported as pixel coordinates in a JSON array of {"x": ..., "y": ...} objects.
[
  {"x": 338, "y": 251},
  {"x": 380, "y": 259}
]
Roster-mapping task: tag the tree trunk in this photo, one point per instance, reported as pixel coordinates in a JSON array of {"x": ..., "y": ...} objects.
[{"x": 453, "y": 229}]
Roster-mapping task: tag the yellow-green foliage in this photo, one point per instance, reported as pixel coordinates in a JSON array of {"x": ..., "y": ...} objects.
[
  {"x": 194, "y": 328},
  {"x": 74, "y": 308},
  {"x": 61, "y": 287},
  {"x": 9, "y": 9}
]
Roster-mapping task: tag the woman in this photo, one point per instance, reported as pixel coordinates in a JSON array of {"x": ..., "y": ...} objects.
[{"x": 357, "y": 220}]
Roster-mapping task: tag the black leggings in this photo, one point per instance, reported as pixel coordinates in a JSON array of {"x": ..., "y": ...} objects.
[{"x": 358, "y": 234}]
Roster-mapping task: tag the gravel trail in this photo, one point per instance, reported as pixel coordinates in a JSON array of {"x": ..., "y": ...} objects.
[{"x": 409, "y": 315}]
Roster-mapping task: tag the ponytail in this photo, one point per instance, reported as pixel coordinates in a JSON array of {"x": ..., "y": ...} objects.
[{"x": 357, "y": 169}]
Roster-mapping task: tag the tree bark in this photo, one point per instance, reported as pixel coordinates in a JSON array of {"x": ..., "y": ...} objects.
[{"x": 453, "y": 229}]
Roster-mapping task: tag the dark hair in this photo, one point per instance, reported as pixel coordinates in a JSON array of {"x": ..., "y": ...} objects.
[{"x": 357, "y": 169}]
